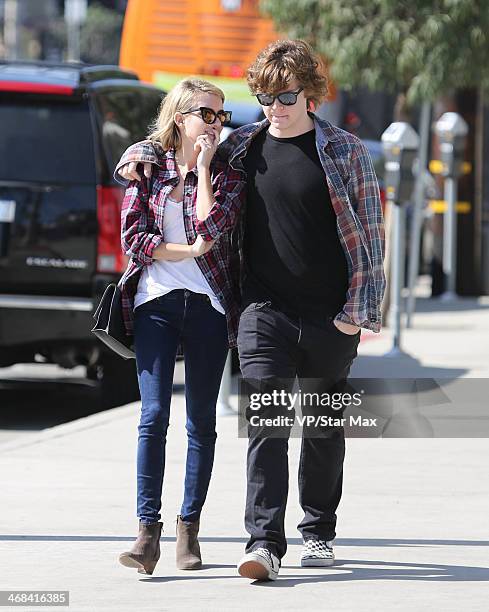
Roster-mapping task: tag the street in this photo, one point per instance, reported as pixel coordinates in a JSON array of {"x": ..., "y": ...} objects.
[{"x": 412, "y": 523}]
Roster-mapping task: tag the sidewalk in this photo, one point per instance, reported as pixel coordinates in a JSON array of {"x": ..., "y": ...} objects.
[{"x": 412, "y": 524}]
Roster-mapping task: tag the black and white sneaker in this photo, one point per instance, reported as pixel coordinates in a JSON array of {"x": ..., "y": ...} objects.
[
  {"x": 317, "y": 553},
  {"x": 259, "y": 564}
]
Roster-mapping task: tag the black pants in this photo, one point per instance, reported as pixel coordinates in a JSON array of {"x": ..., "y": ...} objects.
[{"x": 275, "y": 348}]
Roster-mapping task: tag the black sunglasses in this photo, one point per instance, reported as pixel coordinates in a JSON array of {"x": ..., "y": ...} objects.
[
  {"x": 209, "y": 116},
  {"x": 287, "y": 98}
]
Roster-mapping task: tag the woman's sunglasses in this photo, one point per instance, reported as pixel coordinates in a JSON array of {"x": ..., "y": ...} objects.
[
  {"x": 209, "y": 116},
  {"x": 287, "y": 98}
]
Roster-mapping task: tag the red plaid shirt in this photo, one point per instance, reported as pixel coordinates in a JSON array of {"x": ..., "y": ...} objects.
[
  {"x": 143, "y": 209},
  {"x": 355, "y": 197}
]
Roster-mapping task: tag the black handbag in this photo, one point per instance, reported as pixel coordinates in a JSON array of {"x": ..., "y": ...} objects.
[{"x": 109, "y": 323}]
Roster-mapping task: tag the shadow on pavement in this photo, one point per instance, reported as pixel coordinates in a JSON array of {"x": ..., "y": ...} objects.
[
  {"x": 32, "y": 405},
  {"x": 36, "y": 404},
  {"x": 343, "y": 569},
  {"x": 459, "y": 305},
  {"x": 365, "y": 542}
]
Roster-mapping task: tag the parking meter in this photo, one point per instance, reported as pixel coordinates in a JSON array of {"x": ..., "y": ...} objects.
[
  {"x": 452, "y": 131},
  {"x": 400, "y": 143}
]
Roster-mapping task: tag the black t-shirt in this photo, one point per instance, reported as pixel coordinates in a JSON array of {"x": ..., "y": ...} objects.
[{"x": 292, "y": 252}]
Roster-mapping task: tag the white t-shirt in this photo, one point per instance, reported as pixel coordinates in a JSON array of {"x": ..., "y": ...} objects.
[{"x": 162, "y": 276}]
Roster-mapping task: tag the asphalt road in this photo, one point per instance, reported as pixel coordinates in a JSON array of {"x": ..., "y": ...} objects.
[{"x": 37, "y": 396}]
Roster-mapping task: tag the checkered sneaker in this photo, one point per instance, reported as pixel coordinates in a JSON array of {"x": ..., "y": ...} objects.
[{"x": 317, "y": 553}]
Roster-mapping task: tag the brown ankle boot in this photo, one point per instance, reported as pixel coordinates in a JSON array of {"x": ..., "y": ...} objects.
[
  {"x": 146, "y": 550},
  {"x": 188, "y": 549}
]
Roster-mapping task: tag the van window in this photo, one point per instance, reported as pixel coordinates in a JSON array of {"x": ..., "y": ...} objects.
[
  {"x": 46, "y": 141},
  {"x": 124, "y": 118}
]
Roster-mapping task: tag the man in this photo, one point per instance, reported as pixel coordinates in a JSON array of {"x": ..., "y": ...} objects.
[{"x": 311, "y": 242}]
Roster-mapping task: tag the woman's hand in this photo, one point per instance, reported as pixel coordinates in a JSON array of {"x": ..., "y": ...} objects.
[
  {"x": 200, "y": 246},
  {"x": 206, "y": 144}
]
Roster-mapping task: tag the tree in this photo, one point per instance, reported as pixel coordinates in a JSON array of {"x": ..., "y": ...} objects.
[
  {"x": 101, "y": 35},
  {"x": 422, "y": 48}
]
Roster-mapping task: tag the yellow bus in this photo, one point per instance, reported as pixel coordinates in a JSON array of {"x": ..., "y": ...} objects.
[
  {"x": 165, "y": 40},
  {"x": 212, "y": 37}
]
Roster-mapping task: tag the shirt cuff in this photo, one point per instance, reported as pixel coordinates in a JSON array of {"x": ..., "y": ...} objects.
[
  {"x": 342, "y": 316},
  {"x": 145, "y": 255},
  {"x": 373, "y": 324}
]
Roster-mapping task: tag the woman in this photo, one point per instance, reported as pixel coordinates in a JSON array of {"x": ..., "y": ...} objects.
[{"x": 177, "y": 291}]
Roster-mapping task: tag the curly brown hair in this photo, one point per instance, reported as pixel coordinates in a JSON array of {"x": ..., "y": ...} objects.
[{"x": 283, "y": 61}]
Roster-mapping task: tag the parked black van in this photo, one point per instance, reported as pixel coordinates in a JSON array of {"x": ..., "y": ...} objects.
[{"x": 62, "y": 130}]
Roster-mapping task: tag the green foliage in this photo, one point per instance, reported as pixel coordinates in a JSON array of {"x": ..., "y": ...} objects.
[
  {"x": 100, "y": 36},
  {"x": 423, "y": 47}
]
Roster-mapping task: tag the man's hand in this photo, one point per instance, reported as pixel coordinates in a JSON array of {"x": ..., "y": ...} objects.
[
  {"x": 346, "y": 328},
  {"x": 200, "y": 246},
  {"x": 130, "y": 173}
]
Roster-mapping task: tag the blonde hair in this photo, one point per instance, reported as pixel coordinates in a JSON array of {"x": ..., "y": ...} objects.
[
  {"x": 284, "y": 60},
  {"x": 180, "y": 98}
]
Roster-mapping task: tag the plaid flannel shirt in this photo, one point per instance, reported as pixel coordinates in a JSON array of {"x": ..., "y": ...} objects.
[
  {"x": 143, "y": 209},
  {"x": 355, "y": 197}
]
